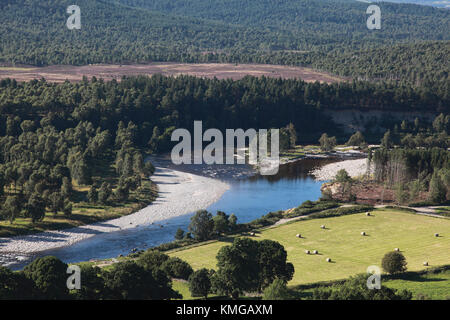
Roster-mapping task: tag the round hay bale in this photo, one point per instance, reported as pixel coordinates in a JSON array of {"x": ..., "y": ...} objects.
[
  {"x": 363, "y": 233},
  {"x": 252, "y": 234},
  {"x": 328, "y": 260},
  {"x": 307, "y": 251},
  {"x": 322, "y": 226},
  {"x": 436, "y": 234},
  {"x": 397, "y": 249},
  {"x": 425, "y": 263},
  {"x": 368, "y": 214},
  {"x": 316, "y": 252},
  {"x": 299, "y": 236}
]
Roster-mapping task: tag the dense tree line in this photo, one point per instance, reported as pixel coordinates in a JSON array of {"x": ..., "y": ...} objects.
[
  {"x": 415, "y": 159},
  {"x": 150, "y": 275},
  {"x": 46, "y": 279},
  {"x": 159, "y": 104}
]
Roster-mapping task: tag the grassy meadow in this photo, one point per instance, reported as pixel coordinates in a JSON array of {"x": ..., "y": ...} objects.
[{"x": 351, "y": 253}]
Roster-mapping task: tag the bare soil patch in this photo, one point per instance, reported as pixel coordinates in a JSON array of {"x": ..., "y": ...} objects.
[{"x": 61, "y": 73}]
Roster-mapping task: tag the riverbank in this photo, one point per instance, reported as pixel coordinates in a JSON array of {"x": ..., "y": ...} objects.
[
  {"x": 355, "y": 168},
  {"x": 179, "y": 193}
]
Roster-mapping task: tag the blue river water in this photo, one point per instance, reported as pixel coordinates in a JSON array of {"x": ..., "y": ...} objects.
[{"x": 248, "y": 199}]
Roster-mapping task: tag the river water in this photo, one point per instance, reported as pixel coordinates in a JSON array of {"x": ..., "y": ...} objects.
[{"x": 248, "y": 198}]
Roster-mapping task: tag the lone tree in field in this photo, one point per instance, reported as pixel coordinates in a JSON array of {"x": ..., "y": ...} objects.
[
  {"x": 248, "y": 266},
  {"x": 394, "y": 262},
  {"x": 200, "y": 283}
]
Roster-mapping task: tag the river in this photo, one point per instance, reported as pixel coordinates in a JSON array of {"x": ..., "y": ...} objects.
[{"x": 248, "y": 198}]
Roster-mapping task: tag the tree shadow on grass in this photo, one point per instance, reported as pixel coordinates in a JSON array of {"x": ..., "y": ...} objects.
[
  {"x": 227, "y": 239},
  {"x": 416, "y": 278}
]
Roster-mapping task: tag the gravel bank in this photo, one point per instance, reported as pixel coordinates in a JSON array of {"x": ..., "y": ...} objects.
[
  {"x": 354, "y": 168},
  {"x": 179, "y": 193}
]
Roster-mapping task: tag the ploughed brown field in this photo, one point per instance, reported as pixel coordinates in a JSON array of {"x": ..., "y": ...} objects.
[{"x": 207, "y": 70}]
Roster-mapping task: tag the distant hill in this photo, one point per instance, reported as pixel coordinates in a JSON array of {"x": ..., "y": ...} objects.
[
  {"x": 297, "y": 32},
  {"x": 433, "y": 3},
  {"x": 35, "y": 32},
  {"x": 404, "y": 21}
]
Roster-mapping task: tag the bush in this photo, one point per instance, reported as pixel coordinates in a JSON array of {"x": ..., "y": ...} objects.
[
  {"x": 327, "y": 143},
  {"x": 200, "y": 283},
  {"x": 342, "y": 176},
  {"x": 15, "y": 286},
  {"x": 355, "y": 288},
  {"x": 179, "y": 235},
  {"x": 394, "y": 262},
  {"x": 340, "y": 211},
  {"x": 152, "y": 259},
  {"x": 177, "y": 268},
  {"x": 128, "y": 280},
  {"x": 305, "y": 209},
  {"x": 49, "y": 275},
  {"x": 277, "y": 291},
  {"x": 91, "y": 284},
  {"x": 356, "y": 139}
]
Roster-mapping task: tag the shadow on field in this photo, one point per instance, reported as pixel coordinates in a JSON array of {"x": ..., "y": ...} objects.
[
  {"x": 416, "y": 278},
  {"x": 227, "y": 239}
]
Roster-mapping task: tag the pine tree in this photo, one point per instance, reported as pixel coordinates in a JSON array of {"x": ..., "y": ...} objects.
[
  {"x": 437, "y": 189},
  {"x": 92, "y": 194}
]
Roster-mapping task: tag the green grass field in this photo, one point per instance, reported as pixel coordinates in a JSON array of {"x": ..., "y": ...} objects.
[
  {"x": 434, "y": 286},
  {"x": 341, "y": 241}
]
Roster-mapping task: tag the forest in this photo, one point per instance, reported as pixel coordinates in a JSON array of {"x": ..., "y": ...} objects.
[
  {"x": 325, "y": 35},
  {"x": 155, "y": 104},
  {"x": 414, "y": 158}
]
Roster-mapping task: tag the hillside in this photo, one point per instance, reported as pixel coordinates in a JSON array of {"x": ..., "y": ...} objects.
[
  {"x": 325, "y": 34},
  {"x": 35, "y": 33},
  {"x": 326, "y": 21},
  {"x": 173, "y": 31},
  {"x": 434, "y": 3}
]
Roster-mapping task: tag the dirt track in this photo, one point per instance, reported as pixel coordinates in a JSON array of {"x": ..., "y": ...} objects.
[{"x": 206, "y": 70}]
